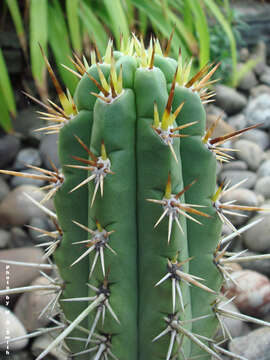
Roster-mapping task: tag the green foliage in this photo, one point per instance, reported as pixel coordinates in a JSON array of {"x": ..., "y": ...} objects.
[{"x": 64, "y": 26}]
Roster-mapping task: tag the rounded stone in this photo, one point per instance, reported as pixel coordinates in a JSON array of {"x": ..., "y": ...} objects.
[
  {"x": 257, "y": 136},
  {"x": 18, "y": 180},
  {"x": 18, "y": 276},
  {"x": 9, "y": 147},
  {"x": 19, "y": 237},
  {"x": 229, "y": 99},
  {"x": 249, "y": 152},
  {"x": 252, "y": 292},
  {"x": 265, "y": 76},
  {"x": 4, "y": 189},
  {"x": 253, "y": 346},
  {"x": 5, "y": 238},
  {"x": 257, "y": 238},
  {"x": 31, "y": 304},
  {"x": 260, "y": 89},
  {"x": 235, "y": 176},
  {"x": 11, "y": 326},
  {"x": 41, "y": 223},
  {"x": 235, "y": 165},
  {"x": 240, "y": 196},
  {"x": 258, "y": 111},
  {"x": 248, "y": 81},
  {"x": 263, "y": 186},
  {"x": 42, "y": 342},
  {"x": 262, "y": 266},
  {"x": 16, "y": 209},
  {"x": 234, "y": 326},
  {"x": 49, "y": 151},
  {"x": 264, "y": 169},
  {"x": 238, "y": 121},
  {"x": 27, "y": 156}
]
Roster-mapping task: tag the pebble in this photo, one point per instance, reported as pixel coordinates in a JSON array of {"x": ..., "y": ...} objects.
[
  {"x": 257, "y": 237},
  {"x": 20, "y": 275},
  {"x": 16, "y": 209},
  {"x": 264, "y": 169},
  {"x": 9, "y": 322},
  {"x": 236, "y": 176},
  {"x": 258, "y": 111},
  {"x": 221, "y": 128},
  {"x": 259, "y": 52},
  {"x": 265, "y": 76},
  {"x": 248, "y": 81},
  {"x": 30, "y": 305},
  {"x": 260, "y": 89},
  {"x": 241, "y": 196},
  {"x": 252, "y": 293},
  {"x": 42, "y": 342},
  {"x": 19, "y": 237},
  {"x": 261, "y": 266},
  {"x": 259, "y": 137},
  {"x": 253, "y": 346},
  {"x": 27, "y": 156},
  {"x": 4, "y": 189},
  {"x": 41, "y": 223},
  {"x": 9, "y": 147},
  {"x": 27, "y": 121},
  {"x": 49, "y": 151},
  {"x": 263, "y": 186},
  {"x": 235, "y": 326},
  {"x": 229, "y": 99},
  {"x": 5, "y": 238},
  {"x": 235, "y": 165},
  {"x": 238, "y": 121},
  {"x": 249, "y": 152},
  {"x": 18, "y": 180}
]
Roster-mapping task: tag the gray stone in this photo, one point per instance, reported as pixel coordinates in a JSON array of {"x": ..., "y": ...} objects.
[
  {"x": 235, "y": 326},
  {"x": 229, "y": 99},
  {"x": 11, "y": 326},
  {"x": 235, "y": 176},
  {"x": 16, "y": 209},
  {"x": 27, "y": 156},
  {"x": 238, "y": 121},
  {"x": 260, "y": 89},
  {"x": 4, "y": 189},
  {"x": 19, "y": 180},
  {"x": 42, "y": 342},
  {"x": 262, "y": 266},
  {"x": 257, "y": 238},
  {"x": 263, "y": 186},
  {"x": 235, "y": 165},
  {"x": 264, "y": 169},
  {"x": 259, "y": 53},
  {"x": 260, "y": 137},
  {"x": 265, "y": 76},
  {"x": 253, "y": 346},
  {"x": 248, "y": 81},
  {"x": 258, "y": 111},
  {"x": 244, "y": 54},
  {"x": 19, "y": 275},
  {"x": 19, "y": 238},
  {"x": 31, "y": 304},
  {"x": 48, "y": 150},
  {"x": 5, "y": 238},
  {"x": 27, "y": 121},
  {"x": 241, "y": 196},
  {"x": 249, "y": 152},
  {"x": 41, "y": 223},
  {"x": 9, "y": 147}
]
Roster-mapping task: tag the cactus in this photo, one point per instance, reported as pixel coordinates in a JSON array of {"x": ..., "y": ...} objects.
[{"x": 138, "y": 246}]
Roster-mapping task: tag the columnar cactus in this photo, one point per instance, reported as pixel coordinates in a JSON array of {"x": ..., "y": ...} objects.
[{"x": 139, "y": 252}]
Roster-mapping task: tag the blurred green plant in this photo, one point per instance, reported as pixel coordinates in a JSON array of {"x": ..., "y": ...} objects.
[{"x": 76, "y": 25}]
